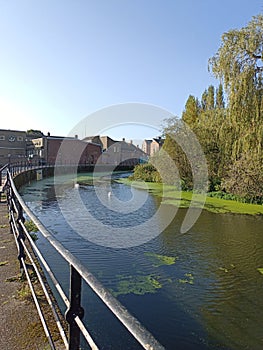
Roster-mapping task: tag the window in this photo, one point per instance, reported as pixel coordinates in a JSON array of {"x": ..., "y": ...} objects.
[
  {"x": 2, "y": 137},
  {"x": 20, "y": 138}
]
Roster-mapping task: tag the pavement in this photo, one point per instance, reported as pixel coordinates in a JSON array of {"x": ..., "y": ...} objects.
[{"x": 20, "y": 325}]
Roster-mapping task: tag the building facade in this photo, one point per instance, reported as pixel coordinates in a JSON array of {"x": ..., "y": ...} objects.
[
  {"x": 12, "y": 146},
  {"x": 65, "y": 150},
  {"x": 146, "y": 147},
  {"x": 150, "y": 147},
  {"x": 123, "y": 153},
  {"x": 36, "y": 148}
]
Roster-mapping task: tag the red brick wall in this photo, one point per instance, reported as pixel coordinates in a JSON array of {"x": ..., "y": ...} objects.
[{"x": 71, "y": 152}]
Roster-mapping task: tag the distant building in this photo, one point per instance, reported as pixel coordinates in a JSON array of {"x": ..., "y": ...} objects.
[
  {"x": 150, "y": 147},
  {"x": 104, "y": 141},
  {"x": 123, "y": 153},
  {"x": 66, "y": 150},
  {"x": 12, "y": 146},
  {"x": 118, "y": 152},
  {"x": 156, "y": 145},
  {"x": 33, "y": 146},
  {"x": 30, "y": 148},
  {"x": 146, "y": 147}
]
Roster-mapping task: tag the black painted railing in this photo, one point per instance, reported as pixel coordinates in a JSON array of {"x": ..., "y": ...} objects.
[{"x": 79, "y": 274}]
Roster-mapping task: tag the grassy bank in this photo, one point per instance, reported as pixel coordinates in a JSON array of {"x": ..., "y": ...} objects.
[{"x": 183, "y": 199}]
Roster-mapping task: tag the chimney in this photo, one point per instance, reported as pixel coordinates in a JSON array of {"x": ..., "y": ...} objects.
[
  {"x": 76, "y": 136},
  {"x": 48, "y": 134},
  {"x": 131, "y": 142},
  {"x": 123, "y": 139}
]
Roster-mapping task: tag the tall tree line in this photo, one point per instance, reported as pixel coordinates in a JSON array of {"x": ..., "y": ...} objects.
[{"x": 228, "y": 119}]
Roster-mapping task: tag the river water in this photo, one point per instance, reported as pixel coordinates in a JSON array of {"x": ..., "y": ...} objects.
[{"x": 198, "y": 290}]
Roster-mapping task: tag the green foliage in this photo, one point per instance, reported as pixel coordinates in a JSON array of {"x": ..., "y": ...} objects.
[
  {"x": 227, "y": 196},
  {"x": 231, "y": 135},
  {"x": 30, "y": 226},
  {"x": 31, "y": 229},
  {"x": 190, "y": 114},
  {"x": 245, "y": 178},
  {"x": 34, "y": 132},
  {"x": 238, "y": 63},
  {"x": 175, "y": 131},
  {"x": 145, "y": 172},
  {"x": 220, "y": 97}
]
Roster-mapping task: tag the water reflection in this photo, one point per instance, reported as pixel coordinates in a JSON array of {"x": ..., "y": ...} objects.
[{"x": 220, "y": 309}]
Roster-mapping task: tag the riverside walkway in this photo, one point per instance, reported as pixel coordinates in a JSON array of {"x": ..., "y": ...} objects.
[
  {"x": 20, "y": 326},
  {"x": 19, "y": 322}
]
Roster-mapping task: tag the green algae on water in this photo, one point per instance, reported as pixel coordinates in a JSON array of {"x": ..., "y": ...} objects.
[
  {"x": 160, "y": 260},
  {"x": 138, "y": 285},
  {"x": 189, "y": 278},
  {"x": 170, "y": 195}
]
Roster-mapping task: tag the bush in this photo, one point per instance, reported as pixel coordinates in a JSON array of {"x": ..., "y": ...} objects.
[{"x": 145, "y": 172}]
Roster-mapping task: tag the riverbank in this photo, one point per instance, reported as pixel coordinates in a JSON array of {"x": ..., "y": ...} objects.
[
  {"x": 21, "y": 328},
  {"x": 183, "y": 199}
]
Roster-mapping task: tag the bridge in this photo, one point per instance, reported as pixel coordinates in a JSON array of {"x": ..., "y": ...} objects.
[{"x": 79, "y": 274}]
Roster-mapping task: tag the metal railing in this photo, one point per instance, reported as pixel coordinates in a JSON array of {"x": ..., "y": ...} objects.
[
  {"x": 3, "y": 171},
  {"x": 78, "y": 275}
]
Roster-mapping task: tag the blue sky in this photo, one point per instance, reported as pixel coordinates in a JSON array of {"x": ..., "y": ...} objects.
[{"x": 61, "y": 61}]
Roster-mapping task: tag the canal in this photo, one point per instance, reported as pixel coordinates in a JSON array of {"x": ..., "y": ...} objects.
[{"x": 197, "y": 290}]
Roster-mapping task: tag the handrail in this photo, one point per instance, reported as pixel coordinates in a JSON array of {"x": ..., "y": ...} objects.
[
  {"x": 79, "y": 272},
  {"x": 1, "y": 179}
]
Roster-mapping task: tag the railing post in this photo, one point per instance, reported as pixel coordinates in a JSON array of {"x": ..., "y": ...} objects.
[
  {"x": 0, "y": 185},
  {"x": 21, "y": 236},
  {"x": 75, "y": 309}
]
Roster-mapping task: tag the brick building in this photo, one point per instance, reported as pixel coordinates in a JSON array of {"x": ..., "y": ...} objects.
[
  {"x": 12, "y": 146},
  {"x": 150, "y": 147},
  {"x": 65, "y": 150},
  {"x": 104, "y": 141},
  {"x": 124, "y": 153}
]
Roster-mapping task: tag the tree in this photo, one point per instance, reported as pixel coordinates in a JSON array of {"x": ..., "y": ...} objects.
[
  {"x": 245, "y": 178},
  {"x": 211, "y": 98},
  {"x": 240, "y": 54},
  {"x": 191, "y": 112},
  {"x": 204, "y": 101},
  {"x": 220, "y": 104},
  {"x": 34, "y": 132},
  {"x": 239, "y": 65}
]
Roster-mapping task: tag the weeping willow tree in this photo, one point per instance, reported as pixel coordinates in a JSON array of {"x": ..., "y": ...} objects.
[{"x": 239, "y": 65}]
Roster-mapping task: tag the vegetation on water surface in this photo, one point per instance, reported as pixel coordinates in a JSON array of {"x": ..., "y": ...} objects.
[
  {"x": 182, "y": 199},
  {"x": 227, "y": 121},
  {"x": 188, "y": 278},
  {"x": 159, "y": 260},
  {"x": 89, "y": 178},
  {"x": 138, "y": 285}
]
